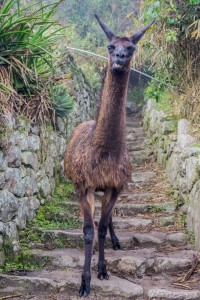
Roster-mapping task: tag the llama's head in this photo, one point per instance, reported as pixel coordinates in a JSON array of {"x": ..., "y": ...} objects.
[{"x": 121, "y": 49}]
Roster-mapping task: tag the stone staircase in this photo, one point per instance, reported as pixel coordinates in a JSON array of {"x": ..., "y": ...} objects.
[{"x": 155, "y": 255}]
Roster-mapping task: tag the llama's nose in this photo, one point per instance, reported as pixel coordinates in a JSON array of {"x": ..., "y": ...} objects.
[{"x": 120, "y": 55}]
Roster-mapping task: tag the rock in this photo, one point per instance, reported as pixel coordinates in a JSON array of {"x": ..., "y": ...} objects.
[
  {"x": 143, "y": 176},
  {"x": 9, "y": 121},
  {"x": 13, "y": 157},
  {"x": 193, "y": 213},
  {"x": 2, "y": 180},
  {"x": 44, "y": 187},
  {"x": 23, "y": 123},
  {"x": 30, "y": 160},
  {"x": 191, "y": 172},
  {"x": 175, "y": 239},
  {"x": 1, "y": 158},
  {"x": 13, "y": 182},
  {"x": 161, "y": 157},
  {"x": 61, "y": 146},
  {"x": 33, "y": 143},
  {"x": 170, "y": 264},
  {"x": 22, "y": 212},
  {"x": 8, "y": 206},
  {"x": 34, "y": 129},
  {"x": 185, "y": 140},
  {"x": 168, "y": 127},
  {"x": 61, "y": 125},
  {"x": 173, "y": 166},
  {"x": 133, "y": 223},
  {"x": 190, "y": 151},
  {"x": 132, "y": 108},
  {"x": 167, "y": 294},
  {"x": 33, "y": 205},
  {"x": 12, "y": 233},
  {"x": 147, "y": 240},
  {"x": 49, "y": 166},
  {"x": 14, "y": 138},
  {"x": 23, "y": 141},
  {"x": 2, "y": 228},
  {"x": 184, "y": 126},
  {"x": 29, "y": 182}
]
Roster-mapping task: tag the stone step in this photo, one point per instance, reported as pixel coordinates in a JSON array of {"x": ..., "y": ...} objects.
[
  {"x": 68, "y": 282},
  {"x": 131, "y": 123},
  {"x": 132, "y": 223},
  {"x": 168, "y": 294},
  {"x": 158, "y": 238},
  {"x": 128, "y": 240},
  {"x": 141, "y": 157},
  {"x": 64, "y": 285},
  {"x": 127, "y": 209},
  {"x": 136, "y": 145},
  {"x": 136, "y": 197},
  {"x": 132, "y": 262},
  {"x": 135, "y": 136},
  {"x": 136, "y": 130},
  {"x": 144, "y": 176}
]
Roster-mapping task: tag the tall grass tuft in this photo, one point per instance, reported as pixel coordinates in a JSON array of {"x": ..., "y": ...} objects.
[{"x": 28, "y": 39}]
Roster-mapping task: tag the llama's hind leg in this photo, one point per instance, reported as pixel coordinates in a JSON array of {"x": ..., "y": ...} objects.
[
  {"x": 114, "y": 239},
  {"x": 87, "y": 207},
  {"x": 112, "y": 195}
]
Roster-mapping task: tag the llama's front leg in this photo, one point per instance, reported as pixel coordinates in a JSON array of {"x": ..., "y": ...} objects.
[
  {"x": 102, "y": 231},
  {"x": 87, "y": 206},
  {"x": 114, "y": 238}
]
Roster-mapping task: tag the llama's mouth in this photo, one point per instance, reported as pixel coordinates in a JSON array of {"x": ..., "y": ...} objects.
[{"x": 117, "y": 67}]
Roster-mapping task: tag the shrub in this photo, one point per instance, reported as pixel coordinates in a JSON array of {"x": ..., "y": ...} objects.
[{"x": 28, "y": 37}]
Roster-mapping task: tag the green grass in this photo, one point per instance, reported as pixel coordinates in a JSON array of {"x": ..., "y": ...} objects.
[
  {"x": 197, "y": 145},
  {"x": 47, "y": 218},
  {"x": 55, "y": 214}
]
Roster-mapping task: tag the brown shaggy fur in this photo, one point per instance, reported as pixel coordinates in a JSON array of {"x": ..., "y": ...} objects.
[{"x": 96, "y": 155}]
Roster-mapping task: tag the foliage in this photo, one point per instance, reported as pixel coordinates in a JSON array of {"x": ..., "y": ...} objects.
[
  {"x": 55, "y": 214},
  {"x": 28, "y": 37},
  {"x": 81, "y": 14},
  {"x": 62, "y": 101},
  {"x": 172, "y": 50}
]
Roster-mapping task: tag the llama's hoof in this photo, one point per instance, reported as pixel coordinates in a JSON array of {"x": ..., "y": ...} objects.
[
  {"x": 84, "y": 290},
  {"x": 103, "y": 275},
  {"x": 116, "y": 245}
]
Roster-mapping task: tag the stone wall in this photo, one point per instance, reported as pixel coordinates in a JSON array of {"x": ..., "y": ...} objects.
[
  {"x": 31, "y": 157},
  {"x": 83, "y": 93},
  {"x": 179, "y": 152}
]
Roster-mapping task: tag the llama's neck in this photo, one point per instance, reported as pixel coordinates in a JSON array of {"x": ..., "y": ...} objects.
[{"x": 110, "y": 128}]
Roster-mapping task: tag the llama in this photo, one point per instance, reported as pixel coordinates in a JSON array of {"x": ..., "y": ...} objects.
[{"x": 96, "y": 156}]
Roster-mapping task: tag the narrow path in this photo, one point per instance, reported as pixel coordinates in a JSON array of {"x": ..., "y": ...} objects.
[{"x": 154, "y": 256}]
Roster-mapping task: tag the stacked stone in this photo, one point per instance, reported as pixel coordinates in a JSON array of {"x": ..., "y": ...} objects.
[
  {"x": 179, "y": 151},
  {"x": 29, "y": 157}
]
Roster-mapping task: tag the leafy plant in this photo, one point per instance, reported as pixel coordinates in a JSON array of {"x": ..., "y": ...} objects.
[
  {"x": 172, "y": 51},
  {"x": 62, "y": 101},
  {"x": 28, "y": 40}
]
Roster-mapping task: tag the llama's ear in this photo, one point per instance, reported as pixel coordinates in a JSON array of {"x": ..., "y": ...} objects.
[
  {"x": 138, "y": 35},
  {"x": 110, "y": 35}
]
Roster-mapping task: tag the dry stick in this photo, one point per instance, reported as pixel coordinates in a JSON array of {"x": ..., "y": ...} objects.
[
  {"x": 182, "y": 285},
  {"x": 10, "y": 296},
  {"x": 187, "y": 276}
]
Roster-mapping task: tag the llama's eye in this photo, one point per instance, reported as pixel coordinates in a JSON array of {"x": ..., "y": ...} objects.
[
  {"x": 131, "y": 49},
  {"x": 110, "y": 48}
]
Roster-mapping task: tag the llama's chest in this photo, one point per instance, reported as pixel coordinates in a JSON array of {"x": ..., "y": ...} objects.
[{"x": 109, "y": 169}]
